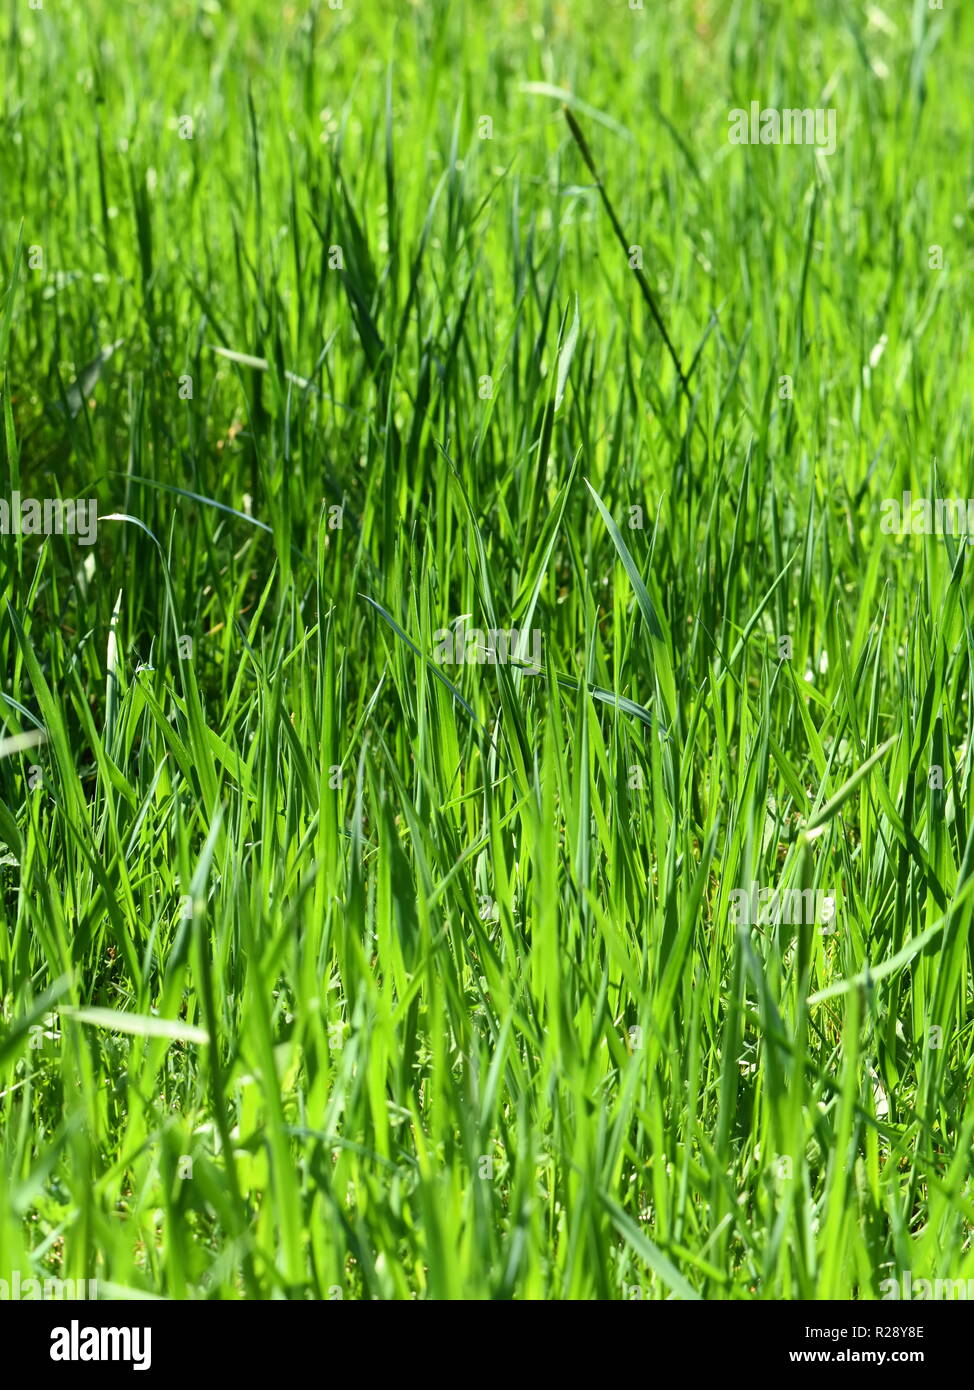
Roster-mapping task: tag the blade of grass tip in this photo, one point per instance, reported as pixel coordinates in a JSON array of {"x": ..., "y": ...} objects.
[
  {"x": 565, "y": 358},
  {"x": 874, "y": 973},
  {"x": 19, "y": 743},
  {"x": 567, "y": 98},
  {"x": 111, "y": 675},
  {"x": 607, "y": 697},
  {"x": 260, "y": 364},
  {"x": 387, "y": 617},
  {"x": 662, "y": 659},
  {"x": 136, "y": 1025},
  {"x": 641, "y": 280},
  {"x": 565, "y": 354},
  {"x": 816, "y": 825},
  {"x": 648, "y": 1251},
  {"x": 198, "y": 497}
]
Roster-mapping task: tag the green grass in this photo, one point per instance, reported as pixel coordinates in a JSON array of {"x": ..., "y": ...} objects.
[{"x": 328, "y": 970}]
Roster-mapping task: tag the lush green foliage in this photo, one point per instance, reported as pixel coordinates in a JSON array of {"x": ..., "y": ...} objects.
[{"x": 328, "y": 969}]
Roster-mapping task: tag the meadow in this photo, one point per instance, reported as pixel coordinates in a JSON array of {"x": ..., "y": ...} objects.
[{"x": 351, "y": 947}]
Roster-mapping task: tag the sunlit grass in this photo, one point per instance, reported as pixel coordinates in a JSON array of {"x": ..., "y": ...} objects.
[{"x": 327, "y": 969}]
